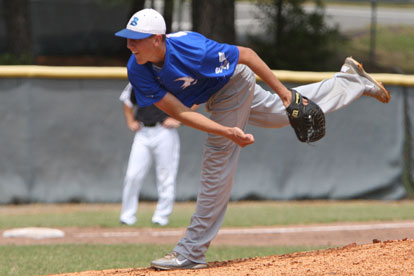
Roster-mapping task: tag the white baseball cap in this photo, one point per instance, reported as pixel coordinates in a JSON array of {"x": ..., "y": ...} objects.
[{"x": 143, "y": 24}]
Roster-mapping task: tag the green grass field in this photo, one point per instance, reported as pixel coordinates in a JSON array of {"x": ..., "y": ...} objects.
[
  {"x": 239, "y": 214},
  {"x": 50, "y": 259}
]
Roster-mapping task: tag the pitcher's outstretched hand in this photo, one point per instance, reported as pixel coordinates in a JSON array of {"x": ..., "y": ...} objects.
[{"x": 240, "y": 138}]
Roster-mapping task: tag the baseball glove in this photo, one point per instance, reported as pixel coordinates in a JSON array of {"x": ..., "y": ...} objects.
[{"x": 308, "y": 121}]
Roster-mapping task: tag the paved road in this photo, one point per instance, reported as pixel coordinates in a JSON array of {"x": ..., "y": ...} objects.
[
  {"x": 349, "y": 18},
  {"x": 248, "y": 17}
]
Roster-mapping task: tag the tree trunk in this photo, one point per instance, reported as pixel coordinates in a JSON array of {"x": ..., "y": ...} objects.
[
  {"x": 136, "y": 5},
  {"x": 168, "y": 14},
  {"x": 18, "y": 28},
  {"x": 215, "y": 19},
  {"x": 279, "y": 24}
]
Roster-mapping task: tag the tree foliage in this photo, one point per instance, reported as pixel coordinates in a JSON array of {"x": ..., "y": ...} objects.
[
  {"x": 19, "y": 44},
  {"x": 215, "y": 19},
  {"x": 294, "y": 39}
]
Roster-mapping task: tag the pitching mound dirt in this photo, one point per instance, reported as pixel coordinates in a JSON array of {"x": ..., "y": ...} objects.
[{"x": 376, "y": 259}]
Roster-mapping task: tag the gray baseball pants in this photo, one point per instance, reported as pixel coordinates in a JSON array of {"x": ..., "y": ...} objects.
[{"x": 239, "y": 102}]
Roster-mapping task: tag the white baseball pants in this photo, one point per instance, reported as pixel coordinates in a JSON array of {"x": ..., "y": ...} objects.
[
  {"x": 240, "y": 102},
  {"x": 163, "y": 146}
]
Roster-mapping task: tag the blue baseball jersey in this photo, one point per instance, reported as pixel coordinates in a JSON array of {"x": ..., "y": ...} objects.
[{"x": 195, "y": 68}]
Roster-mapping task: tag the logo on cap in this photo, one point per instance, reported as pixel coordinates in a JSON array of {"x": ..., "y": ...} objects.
[{"x": 134, "y": 21}]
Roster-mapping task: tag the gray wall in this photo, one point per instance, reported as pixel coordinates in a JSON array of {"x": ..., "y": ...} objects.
[{"x": 66, "y": 140}]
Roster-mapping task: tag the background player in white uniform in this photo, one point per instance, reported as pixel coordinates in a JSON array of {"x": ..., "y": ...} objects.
[
  {"x": 178, "y": 70},
  {"x": 156, "y": 138}
]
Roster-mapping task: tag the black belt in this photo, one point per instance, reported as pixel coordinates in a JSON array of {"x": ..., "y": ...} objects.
[{"x": 150, "y": 125}]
